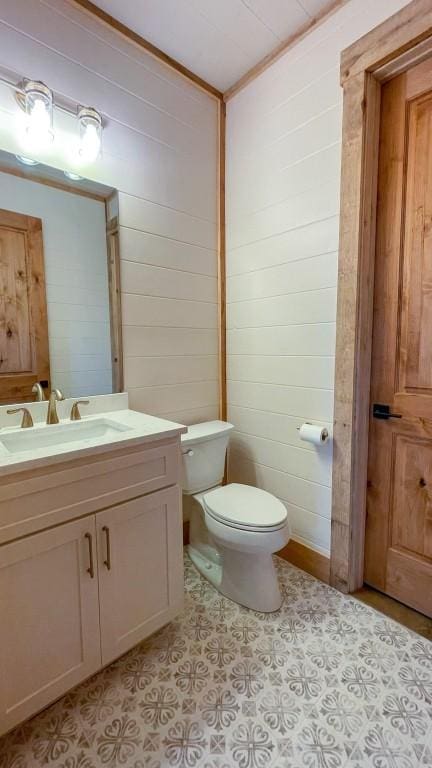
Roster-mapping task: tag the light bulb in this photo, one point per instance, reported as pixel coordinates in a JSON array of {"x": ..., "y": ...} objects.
[
  {"x": 39, "y": 111},
  {"x": 90, "y": 144},
  {"x": 90, "y": 124}
]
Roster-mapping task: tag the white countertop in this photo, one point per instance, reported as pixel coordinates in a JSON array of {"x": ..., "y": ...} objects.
[{"x": 136, "y": 428}]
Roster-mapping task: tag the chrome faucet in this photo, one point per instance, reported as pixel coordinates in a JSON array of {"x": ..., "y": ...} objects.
[{"x": 52, "y": 416}]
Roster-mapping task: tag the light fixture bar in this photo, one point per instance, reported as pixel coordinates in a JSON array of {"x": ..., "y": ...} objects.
[{"x": 37, "y": 101}]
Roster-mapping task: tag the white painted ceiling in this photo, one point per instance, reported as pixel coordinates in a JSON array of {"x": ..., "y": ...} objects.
[{"x": 219, "y": 40}]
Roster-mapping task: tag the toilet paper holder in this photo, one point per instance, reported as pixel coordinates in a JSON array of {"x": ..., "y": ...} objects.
[{"x": 324, "y": 432}]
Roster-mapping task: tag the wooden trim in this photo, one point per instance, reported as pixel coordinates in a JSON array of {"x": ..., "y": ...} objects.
[
  {"x": 63, "y": 186},
  {"x": 222, "y": 266},
  {"x": 354, "y": 330},
  {"x": 307, "y": 559},
  {"x": 364, "y": 67},
  {"x": 114, "y": 292},
  {"x": 283, "y": 47},
  {"x": 153, "y": 50},
  {"x": 386, "y": 43}
]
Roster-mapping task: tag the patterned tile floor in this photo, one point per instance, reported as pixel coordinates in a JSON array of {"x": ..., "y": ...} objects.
[{"x": 327, "y": 682}]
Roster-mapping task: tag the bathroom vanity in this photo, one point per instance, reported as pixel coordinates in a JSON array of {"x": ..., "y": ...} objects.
[{"x": 90, "y": 546}]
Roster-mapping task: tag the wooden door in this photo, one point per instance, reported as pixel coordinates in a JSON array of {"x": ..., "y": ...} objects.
[
  {"x": 140, "y": 547},
  {"x": 24, "y": 354},
  {"x": 49, "y": 629},
  {"x": 398, "y": 557}
]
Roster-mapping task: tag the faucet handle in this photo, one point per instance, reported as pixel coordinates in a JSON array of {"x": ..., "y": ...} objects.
[
  {"x": 27, "y": 420},
  {"x": 75, "y": 414}
]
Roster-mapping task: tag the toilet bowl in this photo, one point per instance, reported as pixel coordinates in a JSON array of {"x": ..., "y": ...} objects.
[{"x": 234, "y": 528}]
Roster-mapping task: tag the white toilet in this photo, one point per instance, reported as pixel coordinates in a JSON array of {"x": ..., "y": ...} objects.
[{"x": 234, "y": 529}]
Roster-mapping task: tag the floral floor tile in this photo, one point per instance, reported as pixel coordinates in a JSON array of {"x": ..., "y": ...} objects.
[{"x": 326, "y": 682}]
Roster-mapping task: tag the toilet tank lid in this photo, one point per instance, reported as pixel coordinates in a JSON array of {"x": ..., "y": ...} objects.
[{"x": 207, "y": 430}]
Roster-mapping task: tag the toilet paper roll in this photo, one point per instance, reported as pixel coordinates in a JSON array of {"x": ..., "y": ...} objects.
[{"x": 314, "y": 434}]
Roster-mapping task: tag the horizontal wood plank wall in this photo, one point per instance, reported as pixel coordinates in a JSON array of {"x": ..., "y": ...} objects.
[
  {"x": 283, "y": 176},
  {"x": 160, "y": 152}
]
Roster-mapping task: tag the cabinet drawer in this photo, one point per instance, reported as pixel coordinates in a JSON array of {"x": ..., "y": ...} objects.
[{"x": 42, "y": 498}]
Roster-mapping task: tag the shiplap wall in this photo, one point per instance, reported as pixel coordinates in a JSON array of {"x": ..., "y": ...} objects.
[
  {"x": 283, "y": 175},
  {"x": 160, "y": 152}
]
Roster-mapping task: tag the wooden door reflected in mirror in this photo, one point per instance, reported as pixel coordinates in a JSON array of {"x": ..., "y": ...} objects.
[{"x": 24, "y": 348}]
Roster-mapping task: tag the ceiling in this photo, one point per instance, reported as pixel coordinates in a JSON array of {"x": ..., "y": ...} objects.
[{"x": 219, "y": 40}]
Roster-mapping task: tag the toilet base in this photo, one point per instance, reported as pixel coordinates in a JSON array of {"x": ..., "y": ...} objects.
[{"x": 250, "y": 581}]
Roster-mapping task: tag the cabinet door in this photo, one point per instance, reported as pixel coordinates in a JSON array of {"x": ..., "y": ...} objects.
[
  {"x": 49, "y": 629},
  {"x": 140, "y": 547}
]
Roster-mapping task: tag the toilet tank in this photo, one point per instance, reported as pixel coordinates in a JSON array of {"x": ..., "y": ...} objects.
[{"x": 204, "y": 448}]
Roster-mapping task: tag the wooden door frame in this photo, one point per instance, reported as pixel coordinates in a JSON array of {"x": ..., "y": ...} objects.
[{"x": 391, "y": 48}]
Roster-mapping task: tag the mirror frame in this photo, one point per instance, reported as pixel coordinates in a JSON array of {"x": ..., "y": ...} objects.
[{"x": 104, "y": 194}]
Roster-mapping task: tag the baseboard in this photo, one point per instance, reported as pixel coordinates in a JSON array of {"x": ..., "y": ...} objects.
[
  {"x": 307, "y": 559},
  {"x": 303, "y": 557}
]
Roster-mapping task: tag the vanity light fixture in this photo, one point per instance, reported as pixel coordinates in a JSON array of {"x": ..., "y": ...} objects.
[
  {"x": 38, "y": 105},
  {"x": 90, "y": 134},
  {"x": 37, "y": 102}
]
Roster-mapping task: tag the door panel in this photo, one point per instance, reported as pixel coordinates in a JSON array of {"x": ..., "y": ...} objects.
[
  {"x": 415, "y": 353},
  {"x": 140, "y": 569},
  {"x": 398, "y": 555},
  {"x": 412, "y": 501},
  {"x": 24, "y": 355},
  {"x": 49, "y": 633}
]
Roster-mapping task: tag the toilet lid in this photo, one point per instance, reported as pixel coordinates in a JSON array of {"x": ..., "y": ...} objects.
[{"x": 245, "y": 507}]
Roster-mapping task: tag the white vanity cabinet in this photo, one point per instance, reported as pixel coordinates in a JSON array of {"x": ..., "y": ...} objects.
[
  {"x": 89, "y": 567},
  {"x": 49, "y": 630},
  {"x": 140, "y": 569}
]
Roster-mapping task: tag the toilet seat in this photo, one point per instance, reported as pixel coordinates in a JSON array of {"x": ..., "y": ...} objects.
[{"x": 245, "y": 507}]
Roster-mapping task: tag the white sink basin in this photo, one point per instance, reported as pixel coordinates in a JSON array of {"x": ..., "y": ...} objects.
[{"x": 59, "y": 434}]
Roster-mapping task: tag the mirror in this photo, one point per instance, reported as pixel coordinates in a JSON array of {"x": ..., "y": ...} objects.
[{"x": 59, "y": 284}]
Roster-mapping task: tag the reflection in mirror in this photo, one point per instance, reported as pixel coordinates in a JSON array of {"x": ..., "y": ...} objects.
[{"x": 59, "y": 284}]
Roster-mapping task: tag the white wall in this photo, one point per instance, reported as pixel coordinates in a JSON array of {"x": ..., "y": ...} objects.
[
  {"x": 283, "y": 174},
  {"x": 76, "y": 275},
  {"x": 160, "y": 152}
]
